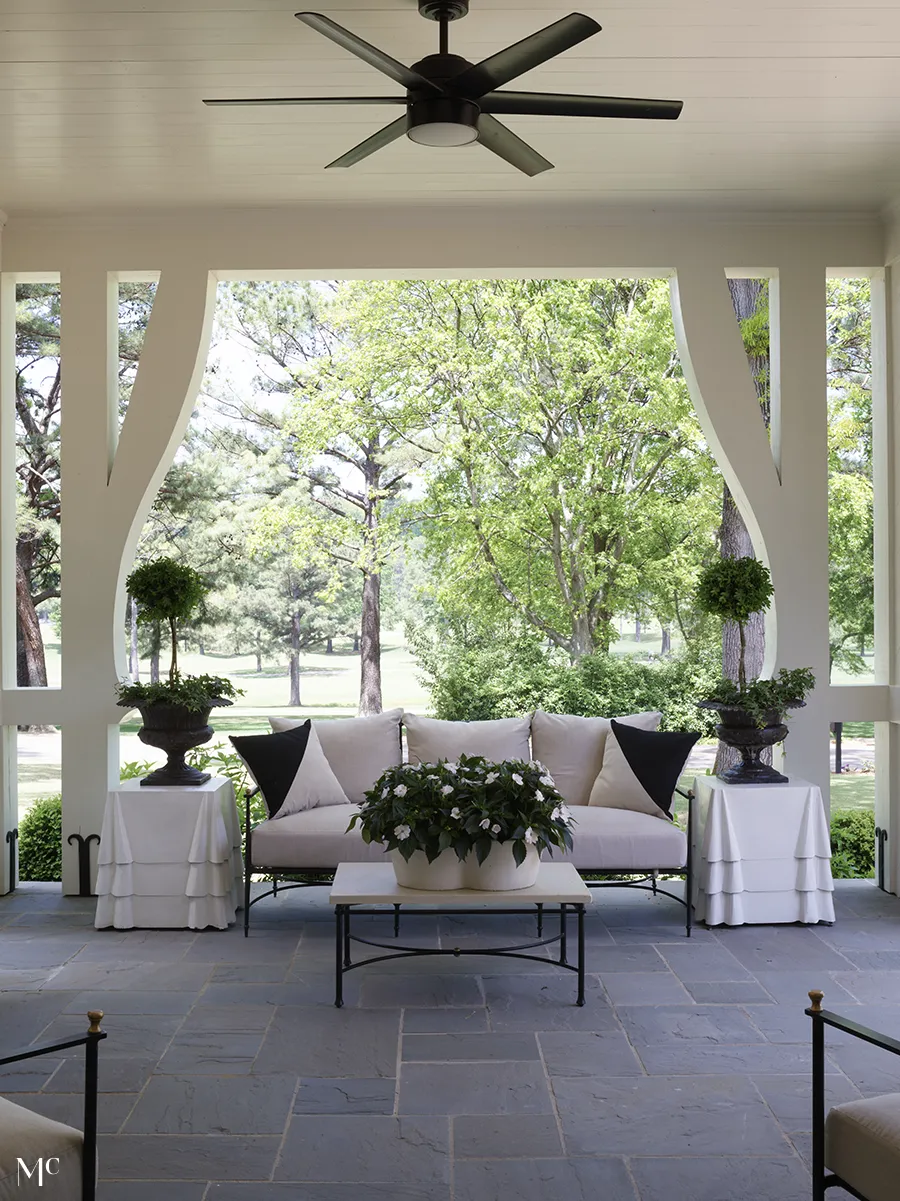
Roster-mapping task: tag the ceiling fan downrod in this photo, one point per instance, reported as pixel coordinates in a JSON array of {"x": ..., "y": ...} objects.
[{"x": 443, "y": 11}]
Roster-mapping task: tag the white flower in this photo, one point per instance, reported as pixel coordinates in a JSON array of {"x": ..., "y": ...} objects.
[
  {"x": 561, "y": 814},
  {"x": 495, "y": 829},
  {"x": 547, "y": 780},
  {"x": 485, "y": 823},
  {"x": 530, "y": 837},
  {"x": 402, "y": 832},
  {"x": 447, "y": 789},
  {"x": 451, "y": 767},
  {"x": 432, "y": 777},
  {"x": 517, "y": 779},
  {"x": 491, "y": 777},
  {"x": 538, "y": 795},
  {"x": 455, "y": 813},
  {"x": 400, "y": 790}
]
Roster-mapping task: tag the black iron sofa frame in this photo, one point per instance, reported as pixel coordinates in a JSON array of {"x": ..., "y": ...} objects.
[{"x": 283, "y": 878}]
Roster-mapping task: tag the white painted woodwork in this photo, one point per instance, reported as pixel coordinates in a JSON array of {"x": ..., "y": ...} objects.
[
  {"x": 104, "y": 509},
  {"x": 787, "y": 516},
  {"x": 788, "y": 105}
]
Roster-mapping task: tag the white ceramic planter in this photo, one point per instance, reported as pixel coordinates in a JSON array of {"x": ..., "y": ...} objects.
[
  {"x": 444, "y": 873},
  {"x": 498, "y": 873}
]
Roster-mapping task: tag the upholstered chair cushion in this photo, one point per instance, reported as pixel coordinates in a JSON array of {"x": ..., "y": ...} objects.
[{"x": 862, "y": 1145}]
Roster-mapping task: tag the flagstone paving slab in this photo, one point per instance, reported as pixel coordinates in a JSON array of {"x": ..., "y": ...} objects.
[
  {"x": 228, "y": 1075},
  {"x": 543, "y": 1180}
]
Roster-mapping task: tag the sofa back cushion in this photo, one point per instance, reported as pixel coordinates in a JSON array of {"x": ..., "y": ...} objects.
[
  {"x": 571, "y": 748},
  {"x": 358, "y": 749},
  {"x": 429, "y": 739}
]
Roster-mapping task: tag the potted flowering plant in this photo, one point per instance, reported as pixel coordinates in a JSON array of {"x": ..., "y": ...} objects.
[{"x": 469, "y": 824}]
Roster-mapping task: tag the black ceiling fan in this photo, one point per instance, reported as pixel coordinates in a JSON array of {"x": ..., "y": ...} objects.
[{"x": 452, "y": 102}]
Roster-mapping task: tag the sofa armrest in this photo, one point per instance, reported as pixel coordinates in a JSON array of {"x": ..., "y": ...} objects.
[
  {"x": 90, "y": 1041},
  {"x": 825, "y": 1017}
]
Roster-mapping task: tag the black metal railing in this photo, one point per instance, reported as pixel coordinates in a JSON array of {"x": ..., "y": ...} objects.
[
  {"x": 822, "y": 1179},
  {"x": 90, "y": 1041}
]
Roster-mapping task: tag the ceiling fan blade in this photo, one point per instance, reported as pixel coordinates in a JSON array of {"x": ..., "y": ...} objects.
[
  {"x": 509, "y": 146},
  {"x": 515, "y": 60},
  {"x": 376, "y": 58},
  {"x": 383, "y": 137},
  {"x": 552, "y": 104},
  {"x": 315, "y": 100}
]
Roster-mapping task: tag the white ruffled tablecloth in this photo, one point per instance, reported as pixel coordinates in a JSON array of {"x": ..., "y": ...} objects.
[
  {"x": 762, "y": 853},
  {"x": 169, "y": 857}
]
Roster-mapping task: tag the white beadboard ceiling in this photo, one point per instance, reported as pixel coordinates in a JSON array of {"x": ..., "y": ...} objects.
[{"x": 787, "y": 105}]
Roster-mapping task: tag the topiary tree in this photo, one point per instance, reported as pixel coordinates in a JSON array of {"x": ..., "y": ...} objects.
[
  {"x": 733, "y": 590},
  {"x": 169, "y": 591}
]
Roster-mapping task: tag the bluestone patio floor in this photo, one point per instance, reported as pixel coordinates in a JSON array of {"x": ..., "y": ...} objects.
[{"x": 228, "y": 1075}]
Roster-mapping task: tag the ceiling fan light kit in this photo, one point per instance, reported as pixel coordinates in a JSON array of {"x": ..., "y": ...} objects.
[{"x": 451, "y": 102}]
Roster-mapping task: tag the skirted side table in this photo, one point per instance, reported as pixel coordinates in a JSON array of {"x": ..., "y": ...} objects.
[
  {"x": 169, "y": 857},
  {"x": 762, "y": 853}
]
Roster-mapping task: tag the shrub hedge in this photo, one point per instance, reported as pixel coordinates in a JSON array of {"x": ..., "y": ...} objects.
[
  {"x": 852, "y": 844},
  {"x": 509, "y": 678}
]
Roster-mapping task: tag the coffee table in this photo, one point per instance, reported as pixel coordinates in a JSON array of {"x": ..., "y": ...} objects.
[{"x": 359, "y": 886}]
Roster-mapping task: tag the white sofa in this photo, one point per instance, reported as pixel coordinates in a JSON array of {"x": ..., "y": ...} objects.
[{"x": 606, "y": 840}]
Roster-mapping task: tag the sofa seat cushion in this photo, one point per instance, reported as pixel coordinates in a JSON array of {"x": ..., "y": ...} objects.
[
  {"x": 621, "y": 838},
  {"x": 315, "y": 838},
  {"x": 429, "y": 739},
  {"x": 30, "y": 1136},
  {"x": 862, "y": 1145}
]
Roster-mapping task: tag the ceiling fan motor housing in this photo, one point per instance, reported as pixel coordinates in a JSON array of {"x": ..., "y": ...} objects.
[{"x": 443, "y": 10}]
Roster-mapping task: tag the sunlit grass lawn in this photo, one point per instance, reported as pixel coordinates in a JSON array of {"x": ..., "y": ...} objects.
[{"x": 329, "y": 687}]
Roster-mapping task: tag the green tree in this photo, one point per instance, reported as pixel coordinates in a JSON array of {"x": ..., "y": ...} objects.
[
  {"x": 850, "y": 488},
  {"x": 569, "y": 464},
  {"x": 346, "y": 431}
]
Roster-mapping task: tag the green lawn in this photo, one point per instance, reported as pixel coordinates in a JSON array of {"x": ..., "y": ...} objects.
[{"x": 329, "y": 687}]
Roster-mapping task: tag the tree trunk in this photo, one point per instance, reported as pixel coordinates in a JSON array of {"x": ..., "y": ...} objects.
[
  {"x": 155, "y": 643},
  {"x": 370, "y": 645},
  {"x": 134, "y": 659},
  {"x": 666, "y": 648},
  {"x": 735, "y": 539},
  {"x": 638, "y": 629},
  {"x": 201, "y": 646},
  {"x": 329, "y": 646},
  {"x": 258, "y": 650},
  {"x": 31, "y": 666},
  {"x": 294, "y": 668},
  {"x": 356, "y": 644}
]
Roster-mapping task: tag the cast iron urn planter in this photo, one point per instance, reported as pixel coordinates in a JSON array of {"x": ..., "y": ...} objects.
[
  {"x": 739, "y": 729},
  {"x": 176, "y": 730}
]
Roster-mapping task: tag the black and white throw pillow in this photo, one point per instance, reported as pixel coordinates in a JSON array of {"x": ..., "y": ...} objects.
[
  {"x": 641, "y": 769},
  {"x": 291, "y": 770}
]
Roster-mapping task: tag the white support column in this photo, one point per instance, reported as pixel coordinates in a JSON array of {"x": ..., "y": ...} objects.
[
  {"x": 789, "y": 532},
  {"x": 798, "y": 370},
  {"x": 886, "y": 465},
  {"x": 107, "y": 492},
  {"x": 8, "y": 755}
]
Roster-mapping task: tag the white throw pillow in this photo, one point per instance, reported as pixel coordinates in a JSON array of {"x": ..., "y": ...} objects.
[
  {"x": 428, "y": 739},
  {"x": 571, "y": 748},
  {"x": 315, "y": 785},
  {"x": 358, "y": 749}
]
